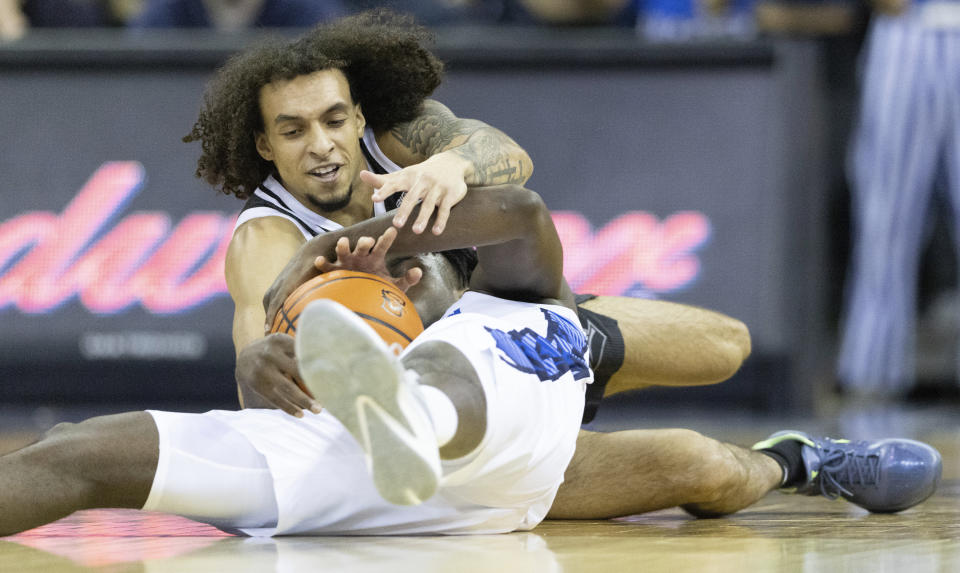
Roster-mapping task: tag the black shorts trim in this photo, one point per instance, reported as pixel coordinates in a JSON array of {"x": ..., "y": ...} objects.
[
  {"x": 582, "y": 298},
  {"x": 606, "y": 353}
]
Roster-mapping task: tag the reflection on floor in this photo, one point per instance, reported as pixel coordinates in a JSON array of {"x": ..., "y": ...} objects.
[{"x": 781, "y": 533}]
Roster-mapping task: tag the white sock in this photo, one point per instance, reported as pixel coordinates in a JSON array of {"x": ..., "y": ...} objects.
[{"x": 442, "y": 412}]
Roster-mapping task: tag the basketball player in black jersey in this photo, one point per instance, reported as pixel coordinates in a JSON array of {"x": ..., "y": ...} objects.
[{"x": 297, "y": 113}]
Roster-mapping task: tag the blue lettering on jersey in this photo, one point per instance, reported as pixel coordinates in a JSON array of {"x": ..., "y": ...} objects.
[{"x": 562, "y": 350}]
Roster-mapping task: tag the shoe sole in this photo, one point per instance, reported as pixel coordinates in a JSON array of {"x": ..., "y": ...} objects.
[{"x": 354, "y": 376}]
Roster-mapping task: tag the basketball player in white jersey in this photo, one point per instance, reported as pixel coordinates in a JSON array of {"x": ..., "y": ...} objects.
[{"x": 493, "y": 385}]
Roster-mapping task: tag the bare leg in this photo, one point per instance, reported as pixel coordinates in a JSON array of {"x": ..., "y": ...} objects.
[
  {"x": 107, "y": 461},
  {"x": 442, "y": 366},
  {"x": 635, "y": 471},
  {"x": 672, "y": 344}
]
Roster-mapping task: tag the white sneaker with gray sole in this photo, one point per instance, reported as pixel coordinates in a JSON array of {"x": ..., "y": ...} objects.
[{"x": 351, "y": 372}]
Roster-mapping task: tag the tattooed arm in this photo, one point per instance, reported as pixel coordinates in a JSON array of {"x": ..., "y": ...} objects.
[
  {"x": 492, "y": 157},
  {"x": 442, "y": 154}
]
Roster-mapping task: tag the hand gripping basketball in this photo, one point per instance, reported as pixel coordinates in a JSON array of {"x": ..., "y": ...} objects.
[
  {"x": 375, "y": 299},
  {"x": 368, "y": 256}
]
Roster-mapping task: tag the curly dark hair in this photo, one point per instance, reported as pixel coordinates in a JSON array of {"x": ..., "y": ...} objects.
[{"x": 384, "y": 56}]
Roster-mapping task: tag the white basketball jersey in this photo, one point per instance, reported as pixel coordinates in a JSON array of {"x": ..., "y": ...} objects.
[{"x": 531, "y": 360}]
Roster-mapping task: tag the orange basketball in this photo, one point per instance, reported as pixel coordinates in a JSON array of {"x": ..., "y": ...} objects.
[{"x": 376, "y": 300}]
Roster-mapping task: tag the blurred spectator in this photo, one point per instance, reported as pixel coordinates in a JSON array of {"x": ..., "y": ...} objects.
[
  {"x": 66, "y": 13},
  {"x": 807, "y": 17},
  {"x": 683, "y": 20},
  {"x": 441, "y": 12},
  {"x": 480, "y": 12},
  {"x": 906, "y": 147},
  {"x": 123, "y": 12},
  {"x": 579, "y": 11},
  {"x": 17, "y": 16},
  {"x": 232, "y": 15},
  {"x": 13, "y": 22}
]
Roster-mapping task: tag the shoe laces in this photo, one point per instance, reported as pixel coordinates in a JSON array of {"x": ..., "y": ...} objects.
[{"x": 842, "y": 466}]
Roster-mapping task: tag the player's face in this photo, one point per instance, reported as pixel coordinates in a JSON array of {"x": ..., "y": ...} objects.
[
  {"x": 437, "y": 289},
  {"x": 311, "y": 133}
]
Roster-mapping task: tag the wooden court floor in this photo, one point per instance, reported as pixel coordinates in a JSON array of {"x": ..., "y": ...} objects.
[{"x": 780, "y": 533}]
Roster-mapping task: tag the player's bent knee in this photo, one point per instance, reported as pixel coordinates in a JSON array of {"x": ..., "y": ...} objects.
[
  {"x": 740, "y": 338},
  {"x": 744, "y": 337},
  {"x": 731, "y": 348},
  {"x": 59, "y": 430},
  {"x": 435, "y": 355},
  {"x": 443, "y": 366}
]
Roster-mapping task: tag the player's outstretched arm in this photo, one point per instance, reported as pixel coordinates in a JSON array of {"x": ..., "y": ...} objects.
[
  {"x": 442, "y": 154},
  {"x": 518, "y": 247}
]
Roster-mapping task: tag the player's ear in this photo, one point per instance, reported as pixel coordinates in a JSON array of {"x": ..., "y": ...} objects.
[
  {"x": 263, "y": 145},
  {"x": 361, "y": 121}
]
